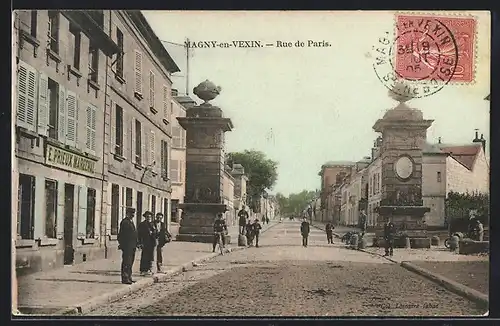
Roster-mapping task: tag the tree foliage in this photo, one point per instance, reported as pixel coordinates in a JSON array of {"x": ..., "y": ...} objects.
[
  {"x": 295, "y": 203},
  {"x": 458, "y": 205},
  {"x": 262, "y": 172}
]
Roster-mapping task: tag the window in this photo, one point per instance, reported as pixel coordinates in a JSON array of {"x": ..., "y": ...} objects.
[
  {"x": 166, "y": 103},
  {"x": 173, "y": 210},
  {"x": 153, "y": 204},
  {"x": 26, "y": 207},
  {"x": 119, "y": 130},
  {"x": 138, "y": 72},
  {"x": 164, "y": 159},
  {"x": 174, "y": 171},
  {"x": 138, "y": 142},
  {"x": 439, "y": 177},
  {"x": 34, "y": 16},
  {"x": 152, "y": 148},
  {"x": 128, "y": 197},
  {"x": 53, "y": 108},
  {"x": 115, "y": 208},
  {"x": 119, "y": 58},
  {"x": 75, "y": 32},
  {"x": 176, "y": 137},
  {"x": 138, "y": 216},
  {"x": 53, "y": 31},
  {"x": 91, "y": 202},
  {"x": 93, "y": 62},
  {"x": 151, "y": 89},
  {"x": 91, "y": 127},
  {"x": 51, "y": 209},
  {"x": 26, "y": 96}
]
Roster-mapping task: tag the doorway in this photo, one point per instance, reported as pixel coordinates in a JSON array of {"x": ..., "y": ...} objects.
[
  {"x": 69, "y": 201},
  {"x": 138, "y": 217}
]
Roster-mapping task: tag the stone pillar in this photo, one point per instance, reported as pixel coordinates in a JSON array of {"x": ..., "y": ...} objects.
[
  {"x": 404, "y": 132},
  {"x": 205, "y": 127}
]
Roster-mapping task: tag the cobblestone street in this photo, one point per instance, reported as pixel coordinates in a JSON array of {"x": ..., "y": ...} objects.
[{"x": 282, "y": 278}]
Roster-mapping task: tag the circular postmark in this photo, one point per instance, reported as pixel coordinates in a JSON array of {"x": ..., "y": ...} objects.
[{"x": 419, "y": 60}]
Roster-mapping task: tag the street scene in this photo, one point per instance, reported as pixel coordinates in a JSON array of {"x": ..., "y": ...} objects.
[{"x": 165, "y": 168}]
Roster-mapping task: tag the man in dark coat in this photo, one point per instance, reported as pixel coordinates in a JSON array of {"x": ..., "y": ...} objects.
[
  {"x": 304, "y": 230},
  {"x": 220, "y": 228},
  {"x": 329, "y": 232},
  {"x": 127, "y": 243},
  {"x": 147, "y": 241},
  {"x": 362, "y": 222},
  {"x": 249, "y": 233},
  {"x": 389, "y": 233},
  {"x": 256, "y": 231},
  {"x": 243, "y": 216},
  {"x": 163, "y": 237}
]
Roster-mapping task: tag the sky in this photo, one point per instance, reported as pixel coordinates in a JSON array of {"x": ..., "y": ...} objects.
[{"x": 304, "y": 106}]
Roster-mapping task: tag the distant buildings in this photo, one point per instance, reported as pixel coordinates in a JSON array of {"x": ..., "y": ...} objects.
[{"x": 446, "y": 167}]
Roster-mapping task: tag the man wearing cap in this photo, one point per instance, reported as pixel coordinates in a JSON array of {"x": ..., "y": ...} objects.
[
  {"x": 243, "y": 216},
  {"x": 127, "y": 243},
  {"x": 147, "y": 241},
  {"x": 163, "y": 237},
  {"x": 256, "y": 230},
  {"x": 220, "y": 227}
]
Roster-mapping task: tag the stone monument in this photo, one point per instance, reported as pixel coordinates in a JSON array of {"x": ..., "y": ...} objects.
[
  {"x": 205, "y": 126},
  {"x": 404, "y": 133}
]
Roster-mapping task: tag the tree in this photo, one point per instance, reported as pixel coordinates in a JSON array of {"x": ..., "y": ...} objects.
[
  {"x": 262, "y": 172},
  {"x": 295, "y": 203}
]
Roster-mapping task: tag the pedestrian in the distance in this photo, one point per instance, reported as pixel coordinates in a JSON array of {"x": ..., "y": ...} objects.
[
  {"x": 147, "y": 242},
  {"x": 249, "y": 233},
  {"x": 389, "y": 234},
  {"x": 267, "y": 220},
  {"x": 479, "y": 231},
  {"x": 329, "y": 232},
  {"x": 163, "y": 237},
  {"x": 304, "y": 230},
  {"x": 243, "y": 216},
  {"x": 220, "y": 230},
  {"x": 127, "y": 243},
  {"x": 362, "y": 222},
  {"x": 256, "y": 229}
]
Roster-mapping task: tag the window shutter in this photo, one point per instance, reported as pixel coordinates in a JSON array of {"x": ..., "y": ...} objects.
[
  {"x": 145, "y": 148},
  {"x": 162, "y": 159},
  {"x": 60, "y": 210},
  {"x": 113, "y": 128},
  {"x": 82, "y": 212},
  {"x": 77, "y": 122},
  {"x": 152, "y": 148},
  {"x": 71, "y": 108},
  {"x": 132, "y": 145},
  {"x": 93, "y": 125},
  {"x": 174, "y": 170},
  {"x": 138, "y": 71},
  {"x": 166, "y": 108},
  {"x": 31, "y": 100},
  {"x": 97, "y": 221},
  {"x": 22, "y": 96},
  {"x": 151, "y": 89},
  {"x": 61, "y": 121},
  {"x": 39, "y": 211},
  {"x": 43, "y": 105},
  {"x": 125, "y": 127}
]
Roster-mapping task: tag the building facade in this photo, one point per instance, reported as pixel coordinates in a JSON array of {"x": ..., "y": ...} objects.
[
  {"x": 93, "y": 109},
  {"x": 228, "y": 197},
  {"x": 240, "y": 187},
  {"x": 60, "y": 162}
]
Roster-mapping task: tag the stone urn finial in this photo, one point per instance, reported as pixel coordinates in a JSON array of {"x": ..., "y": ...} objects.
[
  {"x": 398, "y": 93},
  {"x": 207, "y": 91}
]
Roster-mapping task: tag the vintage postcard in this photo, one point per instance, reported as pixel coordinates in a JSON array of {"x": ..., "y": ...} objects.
[{"x": 284, "y": 163}]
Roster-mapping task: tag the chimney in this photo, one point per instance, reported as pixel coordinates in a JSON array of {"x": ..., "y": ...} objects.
[
  {"x": 476, "y": 139},
  {"x": 483, "y": 141}
]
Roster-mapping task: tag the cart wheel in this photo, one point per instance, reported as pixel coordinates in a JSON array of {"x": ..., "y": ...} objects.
[{"x": 447, "y": 243}]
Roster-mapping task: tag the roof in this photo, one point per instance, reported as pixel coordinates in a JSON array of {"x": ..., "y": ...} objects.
[
  {"x": 154, "y": 42},
  {"x": 432, "y": 149},
  {"x": 464, "y": 154},
  {"x": 338, "y": 163}
]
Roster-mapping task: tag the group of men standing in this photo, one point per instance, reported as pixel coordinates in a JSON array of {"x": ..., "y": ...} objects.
[
  {"x": 251, "y": 230},
  {"x": 149, "y": 236}
]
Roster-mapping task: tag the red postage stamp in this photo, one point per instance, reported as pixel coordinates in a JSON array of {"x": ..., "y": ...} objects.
[{"x": 437, "y": 48}]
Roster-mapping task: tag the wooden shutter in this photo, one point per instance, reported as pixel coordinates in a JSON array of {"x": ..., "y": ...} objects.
[
  {"x": 61, "y": 121},
  {"x": 43, "y": 104},
  {"x": 82, "y": 212},
  {"x": 93, "y": 128},
  {"x": 152, "y": 148},
  {"x": 125, "y": 131},
  {"x": 162, "y": 159},
  {"x": 132, "y": 143},
  {"x": 77, "y": 123},
  {"x": 26, "y": 99},
  {"x": 71, "y": 107},
  {"x": 97, "y": 219},
  {"x": 113, "y": 127},
  {"x": 39, "y": 202},
  {"x": 60, "y": 210},
  {"x": 145, "y": 148},
  {"x": 166, "y": 107},
  {"x": 90, "y": 116},
  {"x": 174, "y": 170},
  {"x": 138, "y": 71},
  {"x": 151, "y": 89}
]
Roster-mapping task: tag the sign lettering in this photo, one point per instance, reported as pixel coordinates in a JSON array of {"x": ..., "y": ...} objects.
[{"x": 62, "y": 158}]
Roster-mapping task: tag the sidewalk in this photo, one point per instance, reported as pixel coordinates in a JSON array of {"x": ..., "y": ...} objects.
[{"x": 65, "y": 288}]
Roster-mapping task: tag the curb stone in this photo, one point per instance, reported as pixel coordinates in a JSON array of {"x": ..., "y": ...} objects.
[
  {"x": 90, "y": 304},
  {"x": 460, "y": 289}
]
